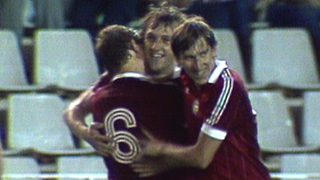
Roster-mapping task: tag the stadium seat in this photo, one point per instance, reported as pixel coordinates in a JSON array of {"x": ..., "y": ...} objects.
[
  {"x": 229, "y": 50},
  {"x": 65, "y": 59},
  {"x": 276, "y": 133},
  {"x": 35, "y": 124},
  {"x": 306, "y": 164},
  {"x": 13, "y": 76},
  {"x": 311, "y": 118},
  {"x": 85, "y": 166},
  {"x": 18, "y": 168},
  {"x": 284, "y": 57}
]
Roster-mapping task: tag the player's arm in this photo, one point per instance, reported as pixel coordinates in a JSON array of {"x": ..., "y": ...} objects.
[
  {"x": 74, "y": 117},
  {"x": 158, "y": 157},
  {"x": 199, "y": 155}
]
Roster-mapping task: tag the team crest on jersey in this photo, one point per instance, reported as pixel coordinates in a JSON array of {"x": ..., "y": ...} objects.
[{"x": 195, "y": 107}]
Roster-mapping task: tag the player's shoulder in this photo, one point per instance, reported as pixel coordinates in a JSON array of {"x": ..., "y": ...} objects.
[
  {"x": 130, "y": 81},
  {"x": 104, "y": 79},
  {"x": 131, "y": 76},
  {"x": 223, "y": 77},
  {"x": 223, "y": 70}
]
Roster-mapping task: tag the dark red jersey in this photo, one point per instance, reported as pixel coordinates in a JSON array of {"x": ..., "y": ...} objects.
[
  {"x": 221, "y": 109},
  {"x": 104, "y": 79},
  {"x": 131, "y": 102}
]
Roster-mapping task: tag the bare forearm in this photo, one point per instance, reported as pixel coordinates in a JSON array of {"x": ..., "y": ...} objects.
[
  {"x": 75, "y": 114},
  {"x": 74, "y": 117},
  {"x": 179, "y": 157},
  {"x": 199, "y": 155}
]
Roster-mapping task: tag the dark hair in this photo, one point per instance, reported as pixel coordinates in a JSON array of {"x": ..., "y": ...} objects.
[
  {"x": 113, "y": 43},
  {"x": 164, "y": 15},
  {"x": 189, "y": 32}
]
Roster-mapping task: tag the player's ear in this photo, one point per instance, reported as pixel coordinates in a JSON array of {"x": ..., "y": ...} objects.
[
  {"x": 214, "y": 51},
  {"x": 130, "y": 54},
  {"x": 135, "y": 46},
  {"x": 137, "y": 49}
]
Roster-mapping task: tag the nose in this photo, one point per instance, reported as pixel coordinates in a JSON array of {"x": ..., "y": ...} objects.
[
  {"x": 157, "y": 44},
  {"x": 198, "y": 63},
  {"x": 195, "y": 64}
]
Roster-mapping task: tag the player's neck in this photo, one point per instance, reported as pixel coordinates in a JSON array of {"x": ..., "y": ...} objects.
[
  {"x": 133, "y": 65},
  {"x": 132, "y": 70},
  {"x": 161, "y": 77}
]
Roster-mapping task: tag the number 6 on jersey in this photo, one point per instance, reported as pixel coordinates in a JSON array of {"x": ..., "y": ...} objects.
[{"x": 121, "y": 136}]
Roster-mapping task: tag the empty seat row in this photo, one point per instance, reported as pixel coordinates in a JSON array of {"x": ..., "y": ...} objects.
[
  {"x": 286, "y": 125},
  {"x": 93, "y": 167},
  {"x": 35, "y": 125},
  {"x": 285, "y": 57},
  {"x": 67, "y": 168},
  {"x": 281, "y": 57},
  {"x": 276, "y": 126},
  {"x": 65, "y": 58},
  {"x": 62, "y": 59},
  {"x": 35, "y": 121}
]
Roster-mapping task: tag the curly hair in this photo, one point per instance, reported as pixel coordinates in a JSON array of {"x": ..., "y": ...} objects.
[
  {"x": 113, "y": 43},
  {"x": 164, "y": 15}
]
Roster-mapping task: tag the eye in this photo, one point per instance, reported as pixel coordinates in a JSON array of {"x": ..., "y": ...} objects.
[
  {"x": 188, "y": 58},
  {"x": 203, "y": 53},
  {"x": 150, "y": 38},
  {"x": 166, "y": 39}
]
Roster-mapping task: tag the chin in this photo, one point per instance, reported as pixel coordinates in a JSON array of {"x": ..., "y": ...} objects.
[{"x": 201, "y": 81}]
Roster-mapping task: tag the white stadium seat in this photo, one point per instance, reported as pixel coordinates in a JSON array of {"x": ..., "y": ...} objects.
[
  {"x": 17, "y": 167},
  {"x": 65, "y": 58},
  {"x": 275, "y": 126},
  {"x": 229, "y": 50},
  {"x": 35, "y": 123},
  {"x": 300, "y": 163},
  {"x": 311, "y": 118},
  {"x": 12, "y": 73},
  {"x": 82, "y": 165},
  {"x": 284, "y": 56}
]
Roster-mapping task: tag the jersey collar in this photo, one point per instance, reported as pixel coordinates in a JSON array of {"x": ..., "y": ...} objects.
[
  {"x": 220, "y": 66},
  {"x": 177, "y": 72},
  {"x": 130, "y": 75}
]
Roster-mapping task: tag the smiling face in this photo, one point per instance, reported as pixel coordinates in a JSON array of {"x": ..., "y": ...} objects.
[
  {"x": 159, "y": 58},
  {"x": 199, "y": 61}
]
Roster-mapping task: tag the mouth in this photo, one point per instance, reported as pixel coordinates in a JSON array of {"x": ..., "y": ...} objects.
[
  {"x": 201, "y": 75},
  {"x": 157, "y": 55}
]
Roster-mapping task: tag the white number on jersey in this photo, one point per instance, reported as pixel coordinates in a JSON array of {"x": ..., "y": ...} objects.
[{"x": 122, "y": 114}]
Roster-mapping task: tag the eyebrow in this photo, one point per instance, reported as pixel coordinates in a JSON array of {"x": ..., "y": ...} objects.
[{"x": 204, "y": 51}]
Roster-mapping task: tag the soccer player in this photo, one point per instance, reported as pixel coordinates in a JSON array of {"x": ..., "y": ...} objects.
[
  {"x": 158, "y": 106},
  {"x": 160, "y": 63},
  {"x": 132, "y": 100},
  {"x": 221, "y": 121}
]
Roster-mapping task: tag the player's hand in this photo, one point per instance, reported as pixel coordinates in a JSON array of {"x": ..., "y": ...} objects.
[
  {"x": 150, "y": 161},
  {"x": 101, "y": 143},
  {"x": 150, "y": 166},
  {"x": 151, "y": 147}
]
